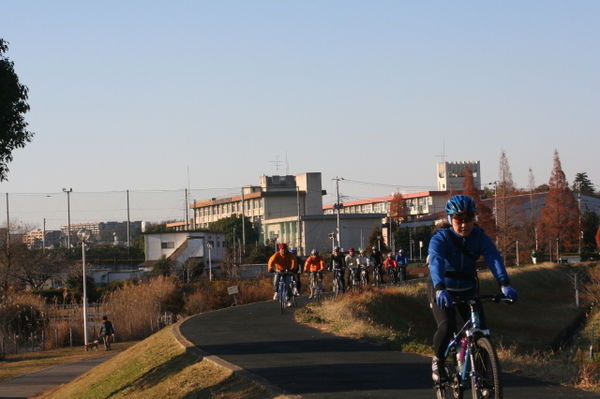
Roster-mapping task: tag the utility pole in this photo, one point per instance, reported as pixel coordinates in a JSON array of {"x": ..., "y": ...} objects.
[
  {"x": 69, "y": 191},
  {"x": 128, "y": 223},
  {"x": 243, "y": 224},
  {"x": 298, "y": 233},
  {"x": 7, "y": 225},
  {"x": 338, "y": 207},
  {"x": 579, "y": 218}
]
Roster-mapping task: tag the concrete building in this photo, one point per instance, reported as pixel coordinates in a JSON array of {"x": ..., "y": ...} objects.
[
  {"x": 418, "y": 205},
  {"x": 313, "y": 231},
  {"x": 179, "y": 246},
  {"x": 37, "y": 239},
  {"x": 451, "y": 175},
  {"x": 107, "y": 233},
  {"x": 275, "y": 197}
]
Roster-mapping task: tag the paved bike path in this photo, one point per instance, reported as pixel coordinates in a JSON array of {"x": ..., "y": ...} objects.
[
  {"x": 304, "y": 361},
  {"x": 38, "y": 382}
]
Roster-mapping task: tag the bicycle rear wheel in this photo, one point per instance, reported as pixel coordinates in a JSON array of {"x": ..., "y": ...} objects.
[
  {"x": 282, "y": 292},
  {"x": 485, "y": 383}
]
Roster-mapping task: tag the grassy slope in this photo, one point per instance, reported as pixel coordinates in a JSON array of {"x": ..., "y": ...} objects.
[
  {"x": 400, "y": 317},
  {"x": 159, "y": 367}
]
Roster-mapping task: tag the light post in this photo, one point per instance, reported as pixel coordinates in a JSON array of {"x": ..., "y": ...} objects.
[
  {"x": 495, "y": 184},
  {"x": 209, "y": 245},
  {"x": 84, "y": 235},
  {"x": 69, "y": 191}
]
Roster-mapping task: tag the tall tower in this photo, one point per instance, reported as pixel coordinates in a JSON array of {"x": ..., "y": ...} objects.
[{"x": 451, "y": 175}]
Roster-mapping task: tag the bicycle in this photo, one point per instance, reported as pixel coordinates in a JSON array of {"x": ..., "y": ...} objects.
[
  {"x": 338, "y": 284},
  {"x": 364, "y": 280},
  {"x": 377, "y": 276},
  {"x": 354, "y": 279},
  {"x": 285, "y": 290},
  {"x": 315, "y": 286},
  {"x": 471, "y": 357}
]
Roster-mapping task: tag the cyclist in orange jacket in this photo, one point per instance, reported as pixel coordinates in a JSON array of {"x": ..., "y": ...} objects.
[
  {"x": 280, "y": 261},
  {"x": 314, "y": 265}
]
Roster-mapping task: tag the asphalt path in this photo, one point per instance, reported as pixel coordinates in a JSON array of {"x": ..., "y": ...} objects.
[
  {"x": 38, "y": 382},
  {"x": 304, "y": 361}
]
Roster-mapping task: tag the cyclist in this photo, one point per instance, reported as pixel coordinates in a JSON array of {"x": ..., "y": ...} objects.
[
  {"x": 363, "y": 263},
  {"x": 352, "y": 264},
  {"x": 376, "y": 261},
  {"x": 402, "y": 261},
  {"x": 453, "y": 250},
  {"x": 338, "y": 265},
  {"x": 390, "y": 266},
  {"x": 280, "y": 261},
  {"x": 314, "y": 265},
  {"x": 298, "y": 270}
]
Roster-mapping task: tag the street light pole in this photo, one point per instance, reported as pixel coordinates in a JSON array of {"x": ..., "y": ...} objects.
[
  {"x": 69, "y": 191},
  {"x": 83, "y": 236},
  {"x": 209, "y": 245},
  {"x": 338, "y": 206}
]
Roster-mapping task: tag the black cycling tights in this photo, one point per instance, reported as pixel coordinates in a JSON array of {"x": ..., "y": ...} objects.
[{"x": 446, "y": 322}]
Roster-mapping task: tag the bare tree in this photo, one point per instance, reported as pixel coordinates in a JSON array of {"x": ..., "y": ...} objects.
[
  {"x": 485, "y": 216},
  {"x": 506, "y": 213},
  {"x": 559, "y": 218}
]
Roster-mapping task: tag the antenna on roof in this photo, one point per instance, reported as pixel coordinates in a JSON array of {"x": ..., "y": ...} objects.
[
  {"x": 442, "y": 156},
  {"x": 287, "y": 165},
  {"x": 277, "y": 164}
]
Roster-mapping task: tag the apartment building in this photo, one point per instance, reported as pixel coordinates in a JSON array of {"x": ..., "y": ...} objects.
[
  {"x": 451, "y": 175},
  {"x": 274, "y": 197},
  {"x": 418, "y": 205},
  {"x": 111, "y": 233}
]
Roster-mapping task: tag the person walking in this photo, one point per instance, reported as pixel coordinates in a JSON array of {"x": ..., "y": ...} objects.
[{"x": 107, "y": 332}]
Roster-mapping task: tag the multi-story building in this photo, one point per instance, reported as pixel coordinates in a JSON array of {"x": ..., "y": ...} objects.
[
  {"x": 451, "y": 175},
  {"x": 37, "y": 239},
  {"x": 275, "y": 197},
  {"x": 110, "y": 233},
  {"x": 418, "y": 205}
]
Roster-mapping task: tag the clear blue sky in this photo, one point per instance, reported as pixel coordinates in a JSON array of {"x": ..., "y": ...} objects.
[{"x": 133, "y": 94}]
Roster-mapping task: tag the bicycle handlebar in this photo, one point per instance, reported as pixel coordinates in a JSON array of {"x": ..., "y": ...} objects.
[{"x": 497, "y": 298}]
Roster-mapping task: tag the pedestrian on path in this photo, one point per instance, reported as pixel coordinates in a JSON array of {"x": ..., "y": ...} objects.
[{"x": 106, "y": 332}]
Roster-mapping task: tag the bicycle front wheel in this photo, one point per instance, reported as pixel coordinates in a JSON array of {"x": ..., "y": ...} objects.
[{"x": 485, "y": 382}]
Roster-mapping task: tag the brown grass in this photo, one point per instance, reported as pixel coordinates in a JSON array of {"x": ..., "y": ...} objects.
[{"x": 400, "y": 317}]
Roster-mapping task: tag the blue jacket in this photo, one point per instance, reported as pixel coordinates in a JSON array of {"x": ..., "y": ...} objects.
[{"x": 453, "y": 268}]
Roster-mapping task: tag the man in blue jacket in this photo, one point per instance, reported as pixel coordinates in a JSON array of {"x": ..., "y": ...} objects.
[{"x": 453, "y": 251}]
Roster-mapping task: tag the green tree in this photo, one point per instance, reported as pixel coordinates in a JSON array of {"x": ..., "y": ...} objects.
[
  {"x": 163, "y": 267},
  {"x": 232, "y": 227},
  {"x": 13, "y": 106},
  {"x": 583, "y": 184}
]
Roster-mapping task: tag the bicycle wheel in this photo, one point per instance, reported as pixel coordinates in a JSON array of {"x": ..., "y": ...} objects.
[
  {"x": 440, "y": 391},
  {"x": 282, "y": 292},
  {"x": 485, "y": 382}
]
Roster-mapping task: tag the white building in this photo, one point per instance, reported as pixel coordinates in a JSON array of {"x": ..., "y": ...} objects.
[
  {"x": 451, "y": 175},
  {"x": 179, "y": 246}
]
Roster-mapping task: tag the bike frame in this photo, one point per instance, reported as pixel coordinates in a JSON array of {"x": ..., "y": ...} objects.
[{"x": 471, "y": 330}]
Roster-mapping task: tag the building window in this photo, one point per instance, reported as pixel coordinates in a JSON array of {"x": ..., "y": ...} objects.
[{"x": 167, "y": 245}]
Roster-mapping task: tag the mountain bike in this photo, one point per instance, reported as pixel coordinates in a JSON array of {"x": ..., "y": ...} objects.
[
  {"x": 471, "y": 360},
  {"x": 354, "y": 279},
  {"x": 315, "y": 286},
  {"x": 338, "y": 285},
  {"x": 364, "y": 281},
  {"x": 377, "y": 276},
  {"x": 285, "y": 290}
]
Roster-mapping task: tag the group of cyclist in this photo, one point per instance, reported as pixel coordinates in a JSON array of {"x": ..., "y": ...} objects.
[
  {"x": 453, "y": 251},
  {"x": 350, "y": 270}
]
